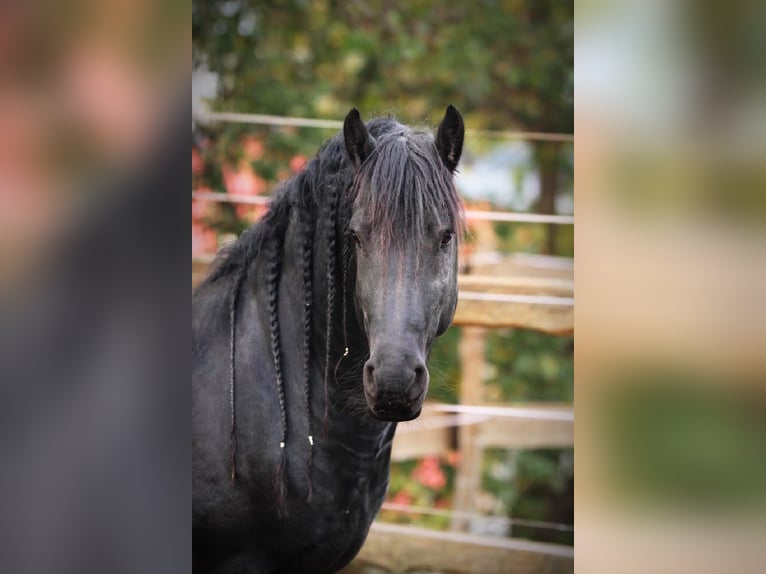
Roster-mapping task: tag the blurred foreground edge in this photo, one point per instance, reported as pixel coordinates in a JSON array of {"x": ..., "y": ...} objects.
[{"x": 94, "y": 398}]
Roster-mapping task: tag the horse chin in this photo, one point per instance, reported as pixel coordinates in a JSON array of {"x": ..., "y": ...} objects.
[{"x": 395, "y": 415}]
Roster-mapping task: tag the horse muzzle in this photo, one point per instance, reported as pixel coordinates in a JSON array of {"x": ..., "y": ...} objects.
[{"x": 395, "y": 391}]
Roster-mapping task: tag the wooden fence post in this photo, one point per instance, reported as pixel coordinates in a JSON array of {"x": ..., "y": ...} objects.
[{"x": 468, "y": 479}]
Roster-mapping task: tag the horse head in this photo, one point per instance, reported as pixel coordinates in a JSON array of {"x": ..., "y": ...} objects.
[{"x": 405, "y": 223}]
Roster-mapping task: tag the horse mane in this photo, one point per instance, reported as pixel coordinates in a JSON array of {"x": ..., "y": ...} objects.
[{"x": 401, "y": 183}]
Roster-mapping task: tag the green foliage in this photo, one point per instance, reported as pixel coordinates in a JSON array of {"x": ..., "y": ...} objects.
[
  {"x": 522, "y": 366},
  {"x": 532, "y": 485},
  {"x": 529, "y": 366},
  {"x": 507, "y": 63},
  {"x": 444, "y": 367}
]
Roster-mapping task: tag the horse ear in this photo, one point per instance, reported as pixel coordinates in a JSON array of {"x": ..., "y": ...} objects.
[
  {"x": 359, "y": 143},
  {"x": 449, "y": 137}
]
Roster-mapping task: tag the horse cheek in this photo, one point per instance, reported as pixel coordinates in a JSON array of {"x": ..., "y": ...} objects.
[{"x": 447, "y": 314}]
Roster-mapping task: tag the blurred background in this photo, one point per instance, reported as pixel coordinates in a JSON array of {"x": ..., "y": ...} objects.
[
  {"x": 490, "y": 462},
  {"x": 671, "y": 274}
]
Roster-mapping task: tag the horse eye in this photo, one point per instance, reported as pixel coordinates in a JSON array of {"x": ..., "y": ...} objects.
[
  {"x": 446, "y": 238},
  {"x": 355, "y": 239}
]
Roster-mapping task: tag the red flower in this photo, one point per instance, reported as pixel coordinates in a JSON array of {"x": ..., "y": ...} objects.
[
  {"x": 402, "y": 497},
  {"x": 429, "y": 473},
  {"x": 243, "y": 181}
]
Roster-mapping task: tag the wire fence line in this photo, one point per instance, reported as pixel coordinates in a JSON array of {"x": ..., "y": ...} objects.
[
  {"x": 517, "y": 298},
  {"x": 500, "y": 216},
  {"x": 512, "y": 217},
  {"x": 286, "y": 121},
  {"x": 566, "y": 414},
  {"x": 218, "y": 197},
  {"x": 506, "y": 521}
]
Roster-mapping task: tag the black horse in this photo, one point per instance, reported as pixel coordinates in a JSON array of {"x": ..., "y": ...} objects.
[{"x": 309, "y": 342}]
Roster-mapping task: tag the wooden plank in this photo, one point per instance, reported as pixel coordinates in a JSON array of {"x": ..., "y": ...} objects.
[
  {"x": 527, "y": 285},
  {"x": 468, "y": 476},
  {"x": 525, "y": 433},
  {"x": 431, "y": 435},
  {"x": 434, "y": 441},
  {"x": 522, "y": 265},
  {"x": 552, "y": 319},
  {"x": 398, "y": 548}
]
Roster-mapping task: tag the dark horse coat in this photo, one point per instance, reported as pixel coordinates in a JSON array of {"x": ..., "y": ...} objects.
[{"x": 309, "y": 342}]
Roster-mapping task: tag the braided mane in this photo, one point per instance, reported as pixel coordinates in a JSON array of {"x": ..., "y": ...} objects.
[{"x": 400, "y": 185}]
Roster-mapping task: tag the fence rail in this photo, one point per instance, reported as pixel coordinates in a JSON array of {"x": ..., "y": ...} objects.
[
  {"x": 286, "y": 121},
  {"x": 398, "y": 548},
  {"x": 518, "y": 427}
]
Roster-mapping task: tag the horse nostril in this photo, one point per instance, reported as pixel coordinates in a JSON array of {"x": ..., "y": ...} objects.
[
  {"x": 419, "y": 382},
  {"x": 369, "y": 372},
  {"x": 421, "y": 375}
]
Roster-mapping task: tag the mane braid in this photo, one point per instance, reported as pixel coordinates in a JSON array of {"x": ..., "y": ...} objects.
[
  {"x": 344, "y": 215},
  {"x": 273, "y": 272},
  {"x": 346, "y": 263},
  {"x": 307, "y": 227},
  {"x": 344, "y": 301},
  {"x": 232, "y": 371},
  {"x": 332, "y": 213}
]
